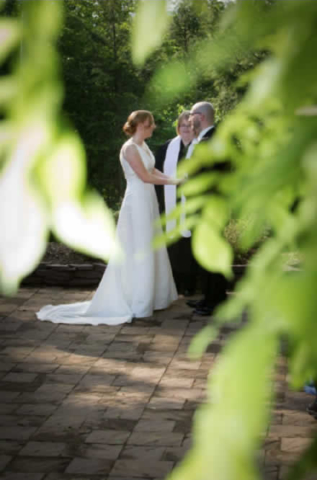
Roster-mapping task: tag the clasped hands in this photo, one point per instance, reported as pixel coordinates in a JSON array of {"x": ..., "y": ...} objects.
[{"x": 180, "y": 181}]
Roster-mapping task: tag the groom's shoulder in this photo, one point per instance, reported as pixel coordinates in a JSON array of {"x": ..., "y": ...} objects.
[{"x": 208, "y": 134}]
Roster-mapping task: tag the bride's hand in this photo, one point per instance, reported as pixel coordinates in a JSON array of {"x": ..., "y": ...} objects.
[{"x": 181, "y": 181}]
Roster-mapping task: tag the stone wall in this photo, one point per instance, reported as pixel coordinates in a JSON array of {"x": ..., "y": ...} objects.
[
  {"x": 72, "y": 276},
  {"x": 81, "y": 275}
]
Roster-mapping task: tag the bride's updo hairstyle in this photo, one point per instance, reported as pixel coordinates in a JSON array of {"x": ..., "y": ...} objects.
[{"x": 139, "y": 116}]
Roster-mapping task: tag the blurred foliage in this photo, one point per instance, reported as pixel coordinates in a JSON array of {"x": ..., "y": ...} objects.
[
  {"x": 269, "y": 139},
  {"x": 42, "y": 160},
  {"x": 102, "y": 84},
  {"x": 234, "y": 231},
  {"x": 255, "y": 60}
]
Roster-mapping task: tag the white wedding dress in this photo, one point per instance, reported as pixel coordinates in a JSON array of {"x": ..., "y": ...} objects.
[{"x": 143, "y": 281}]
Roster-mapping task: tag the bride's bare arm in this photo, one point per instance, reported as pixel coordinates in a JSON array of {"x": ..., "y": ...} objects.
[
  {"x": 132, "y": 156},
  {"x": 159, "y": 173}
]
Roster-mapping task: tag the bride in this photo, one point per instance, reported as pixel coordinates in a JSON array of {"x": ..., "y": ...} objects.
[{"x": 143, "y": 281}]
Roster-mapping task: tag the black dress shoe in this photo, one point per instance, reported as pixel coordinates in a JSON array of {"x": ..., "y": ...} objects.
[
  {"x": 203, "y": 311},
  {"x": 195, "y": 303}
]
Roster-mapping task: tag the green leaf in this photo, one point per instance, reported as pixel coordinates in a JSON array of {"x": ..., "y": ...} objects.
[
  {"x": 64, "y": 171},
  {"x": 211, "y": 250},
  {"x": 9, "y": 36},
  {"x": 87, "y": 226},
  {"x": 171, "y": 80},
  {"x": 201, "y": 341},
  {"x": 216, "y": 212},
  {"x": 191, "y": 206},
  {"x": 150, "y": 24},
  {"x": 176, "y": 233},
  {"x": 198, "y": 184},
  {"x": 23, "y": 222},
  {"x": 237, "y": 408},
  {"x": 8, "y": 89},
  {"x": 44, "y": 19}
]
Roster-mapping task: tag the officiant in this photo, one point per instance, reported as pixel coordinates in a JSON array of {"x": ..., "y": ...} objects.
[{"x": 168, "y": 155}]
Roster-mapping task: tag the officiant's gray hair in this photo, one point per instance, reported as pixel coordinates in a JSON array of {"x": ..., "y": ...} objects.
[
  {"x": 183, "y": 116},
  {"x": 207, "y": 109}
]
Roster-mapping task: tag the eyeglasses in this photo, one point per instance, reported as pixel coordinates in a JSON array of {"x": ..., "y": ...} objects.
[
  {"x": 195, "y": 113},
  {"x": 185, "y": 125}
]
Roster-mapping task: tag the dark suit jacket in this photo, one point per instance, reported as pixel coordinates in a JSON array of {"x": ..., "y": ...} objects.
[
  {"x": 223, "y": 167},
  {"x": 216, "y": 284}
]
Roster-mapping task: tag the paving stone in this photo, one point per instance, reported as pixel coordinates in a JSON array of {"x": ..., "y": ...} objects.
[
  {"x": 270, "y": 473},
  {"x": 97, "y": 383},
  {"x": 176, "y": 382},
  {"x": 157, "y": 358},
  {"x": 6, "y": 408},
  {"x": 41, "y": 410},
  {"x": 40, "y": 465},
  {"x": 63, "y": 423},
  {"x": 72, "y": 369},
  {"x": 20, "y": 377},
  {"x": 101, "y": 451},
  {"x": 116, "y": 403},
  {"x": 156, "y": 438},
  {"x": 296, "y": 444},
  {"x": 150, "y": 452},
  {"x": 180, "y": 393},
  {"x": 4, "y": 460},
  {"x": 41, "y": 397},
  {"x": 7, "y": 308},
  {"x": 50, "y": 389},
  {"x": 166, "y": 403},
  {"x": 174, "y": 415},
  {"x": 43, "y": 449},
  {"x": 22, "y": 476},
  {"x": 124, "y": 412},
  {"x": 7, "y": 396},
  {"x": 9, "y": 420},
  {"x": 152, "y": 426},
  {"x": 144, "y": 469},
  {"x": 286, "y": 431},
  {"x": 6, "y": 366},
  {"x": 111, "y": 437},
  {"x": 89, "y": 466},
  {"x": 143, "y": 391},
  {"x": 124, "y": 355},
  {"x": 175, "y": 454},
  {"x": 16, "y": 433},
  {"x": 129, "y": 478},
  {"x": 60, "y": 378},
  {"x": 297, "y": 418},
  {"x": 10, "y": 447},
  {"x": 278, "y": 458},
  {"x": 36, "y": 367}
]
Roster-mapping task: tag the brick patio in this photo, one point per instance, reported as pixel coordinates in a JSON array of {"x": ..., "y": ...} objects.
[{"x": 114, "y": 403}]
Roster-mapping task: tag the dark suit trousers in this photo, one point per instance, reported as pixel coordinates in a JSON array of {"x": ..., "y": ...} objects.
[{"x": 215, "y": 287}]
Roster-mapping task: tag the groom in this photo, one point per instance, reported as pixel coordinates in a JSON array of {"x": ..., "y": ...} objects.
[{"x": 215, "y": 285}]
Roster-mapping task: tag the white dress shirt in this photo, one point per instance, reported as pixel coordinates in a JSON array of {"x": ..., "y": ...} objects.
[{"x": 203, "y": 132}]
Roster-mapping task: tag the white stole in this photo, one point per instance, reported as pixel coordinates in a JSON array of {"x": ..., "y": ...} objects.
[{"x": 170, "y": 194}]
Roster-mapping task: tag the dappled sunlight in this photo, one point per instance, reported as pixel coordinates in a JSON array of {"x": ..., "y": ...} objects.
[{"x": 103, "y": 397}]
